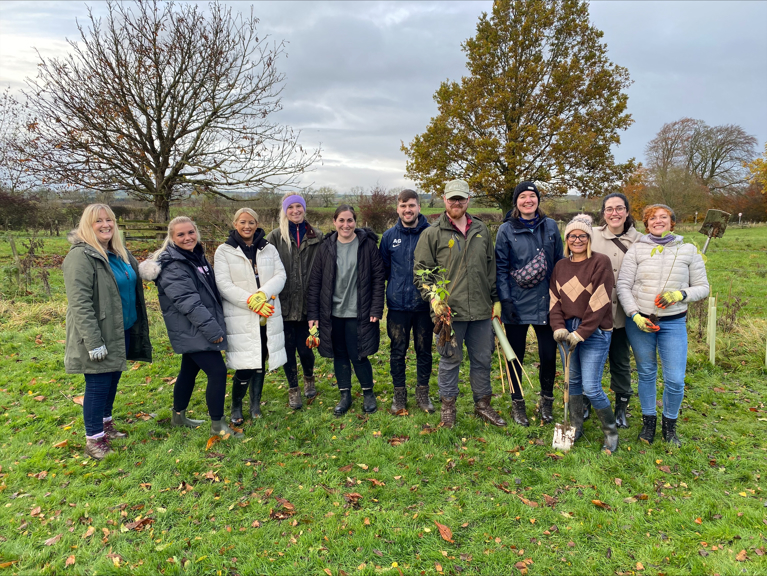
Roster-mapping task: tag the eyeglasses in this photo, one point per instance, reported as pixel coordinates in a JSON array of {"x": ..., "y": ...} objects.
[
  {"x": 579, "y": 238},
  {"x": 617, "y": 210},
  {"x": 456, "y": 200}
]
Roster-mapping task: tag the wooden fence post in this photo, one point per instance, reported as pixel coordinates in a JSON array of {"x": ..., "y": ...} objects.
[{"x": 712, "y": 330}]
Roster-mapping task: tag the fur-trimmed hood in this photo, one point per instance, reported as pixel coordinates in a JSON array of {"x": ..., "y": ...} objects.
[{"x": 150, "y": 269}]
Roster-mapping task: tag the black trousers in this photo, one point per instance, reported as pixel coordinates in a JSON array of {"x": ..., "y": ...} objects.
[
  {"x": 547, "y": 356},
  {"x": 296, "y": 334},
  {"x": 398, "y": 326},
  {"x": 620, "y": 363},
  {"x": 212, "y": 363},
  {"x": 345, "y": 354}
]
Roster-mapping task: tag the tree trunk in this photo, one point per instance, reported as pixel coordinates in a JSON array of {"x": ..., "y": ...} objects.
[{"x": 162, "y": 208}]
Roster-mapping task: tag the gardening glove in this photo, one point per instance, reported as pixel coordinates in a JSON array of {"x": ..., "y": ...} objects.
[
  {"x": 668, "y": 298},
  {"x": 644, "y": 324},
  {"x": 573, "y": 339},
  {"x": 313, "y": 341},
  {"x": 561, "y": 334},
  {"x": 440, "y": 307},
  {"x": 496, "y": 310},
  {"x": 258, "y": 303},
  {"x": 98, "y": 354}
]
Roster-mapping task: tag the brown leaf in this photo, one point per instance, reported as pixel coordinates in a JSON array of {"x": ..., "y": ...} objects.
[
  {"x": 402, "y": 412},
  {"x": 741, "y": 556},
  {"x": 70, "y": 561},
  {"x": 363, "y": 466},
  {"x": 555, "y": 456},
  {"x": 39, "y": 398},
  {"x": 89, "y": 532},
  {"x": 35, "y": 511},
  {"x": 212, "y": 440},
  {"x": 256, "y": 524},
  {"x": 287, "y": 507},
  {"x": 438, "y": 567},
  {"x": 618, "y": 482},
  {"x": 445, "y": 532},
  {"x": 398, "y": 440},
  {"x": 327, "y": 571},
  {"x": 719, "y": 390},
  {"x": 550, "y": 501},
  {"x": 377, "y": 552},
  {"x": 61, "y": 444},
  {"x": 8, "y": 564},
  {"x": 530, "y": 503},
  {"x": 640, "y": 566},
  {"x": 699, "y": 520},
  {"x": 353, "y": 498},
  {"x": 641, "y": 496},
  {"x": 139, "y": 526},
  {"x": 665, "y": 469},
  {"x": 501, "y": 487},
  {"x": 77, "y": 400},
  {"x": 376, "y": 482},
  {"x": 346, "y": 468},
  {"x": 600, "y": 504},
  {"x": 51, "y": 541},
  {"x": 366, "y": 521}
]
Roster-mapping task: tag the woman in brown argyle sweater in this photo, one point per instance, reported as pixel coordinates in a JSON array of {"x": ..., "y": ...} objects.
[{"x": 581, "y": 317}]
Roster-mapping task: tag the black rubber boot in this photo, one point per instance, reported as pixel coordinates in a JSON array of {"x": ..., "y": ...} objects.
[
  {"x": 649, "y": 423},
  {"x": 621, "y": 404},
  {"x": 344, "y": 403},
  {"x": 586, "y": 408},
  {"x": 668, "y": 428},
  {"x": 519, "y": 412},
  {"x": 576, "y": 414},
  {"x": 610, "y": 430},
  {"x": 400, "y": 400},
  {"x": 423, "y": 400},
  {"x": 544, "y": 409},
  {"x": 256, "y": 387},
  {"x": 239, "y": 389},
  {"x": 369, "y": 402}
]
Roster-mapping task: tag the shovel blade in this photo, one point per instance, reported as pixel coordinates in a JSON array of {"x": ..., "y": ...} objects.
[{"x": 564, "y": 437}]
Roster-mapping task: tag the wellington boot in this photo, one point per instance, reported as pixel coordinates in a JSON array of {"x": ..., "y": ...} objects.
[
  {"x": 610, "y": 430},
  {"x": 113, "y": 433},
  {"x": 519, "y": 412},
  {"x": 668, "y": 428},
  {"x": 448, "y": 413},
  {"x": 220, "y": 428},
  {"x": 294, "y": 398},
  {"x": 586, "y": 408},
  {"x": 344, "y": 403},
  {"x": 544, "y": 409},
  {"x": 649, "y": 424},
  {"x": 97, "y": 448},
  {"x": 239, "y": 389},
  {"x": 621, "y": 404},
  {"x": 255, "y": 387},
  {"x": 576, "y": 414},
  {"x": 369, "y": 402},
  {"x": 423, "y": 400},
  {"x": 399, "y": 402},
  {"x": 179, "y": 419},
  {"x": 310, "y": 389},
  {"x": 483, "y": 409}
]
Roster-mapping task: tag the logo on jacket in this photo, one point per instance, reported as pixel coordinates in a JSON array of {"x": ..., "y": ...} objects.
[{"x": 397, "y": 242}]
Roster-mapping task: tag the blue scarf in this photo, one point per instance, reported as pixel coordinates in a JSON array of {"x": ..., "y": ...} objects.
[
  {"x": 530, "y": 223},
  {"x": 662, "y": 240}
]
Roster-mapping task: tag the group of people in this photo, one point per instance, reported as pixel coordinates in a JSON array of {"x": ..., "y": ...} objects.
[{"x": 269, "y": 297}]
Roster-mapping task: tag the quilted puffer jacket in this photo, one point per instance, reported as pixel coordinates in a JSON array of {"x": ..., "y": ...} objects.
[{"x": 644, "y": 275}]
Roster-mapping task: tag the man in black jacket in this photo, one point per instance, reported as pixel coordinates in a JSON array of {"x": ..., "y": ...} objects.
[{"x": 407, "y": 309}]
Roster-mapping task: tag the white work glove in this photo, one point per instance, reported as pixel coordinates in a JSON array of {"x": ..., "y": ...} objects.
[{"x": 98, "y": 354}]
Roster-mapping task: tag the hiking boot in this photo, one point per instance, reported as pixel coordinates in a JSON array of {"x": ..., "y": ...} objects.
[
  {"x": 544, "y": 409},
  {"x": 369, "y": 402},
  {"x": 220, "y": 428},
  {"x": 483, "y": 409},
  {"x": 97, "y": 448},
  {"x": 649, "y": 423},
  {"x": 519, "y": 412},
  {"x": 239, "y": 389},
  {"x": 610, "y": 430},
  {"x": 113, "y": 433},
  {"x": 447, "y": 415},
  {"x": 576, "y": 414},
  {"x": 310, "y": 390},
  {"x": 294, "y": 398},
  {"x": 423, "y": 400},
  {"x": 668, "y": 429},
  {"x": 400, "y": 400},
  {"x": 179, "y": 418},
  {"x": 255, "y": 387},
  {"x": 621, "y": 404},
  {"x": 344, "y": 403},
  {"x": 586, "y": 408}
]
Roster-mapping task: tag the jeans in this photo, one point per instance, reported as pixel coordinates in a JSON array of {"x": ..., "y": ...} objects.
[
  {"x": 620, "y": 363},
  {"x": 587, "y": 363},
  {"x": 670, "y": 342},
  {"x": 479, "y": 338},
  {"x": 547, "y": 356},
  {"x": 100, "y": 392},
  {"x": 212, "y": 363},
  {"x": 398, "y": 326},
  {"x": 296, "y": 334},
  {"x": 345, "y": 354}
]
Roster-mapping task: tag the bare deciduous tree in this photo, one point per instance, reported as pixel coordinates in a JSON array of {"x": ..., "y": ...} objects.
[
  {"x": 14, "y": 163},
  {"x": 327, "y": 196},
  {"x": 162, "y": 100}
]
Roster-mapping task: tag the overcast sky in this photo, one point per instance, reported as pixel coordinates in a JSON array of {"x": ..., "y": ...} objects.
[{"x": 360, "y": 76}]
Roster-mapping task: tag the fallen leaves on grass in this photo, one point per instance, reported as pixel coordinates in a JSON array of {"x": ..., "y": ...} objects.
[
  {"x": 376, "y": 483},
  {"x": 530, "y": 503},
  {"x": 51, "y": 541},
  {"x": 89, "y": 532},
  {"x": 445, "y": 532},
  {"x": 550, "y": 500},
  {"x": 285, "y": 511},
  {"x": 39, "y": 398},
  {"x": 69, "y": 561},
  {"x": 77, "y": 400},
  {"x": 398, "y": 440},
  {"x": 741, "y": 556},
  {"x": 61, "y": 444},
  {"x": 402, "y": 412},
  {"x": 618, "y": 482},
  {"x": 352, "y": 499},
  {"x": 363, "y": 466},
  {"x": 665, "y": 469},
  {"x": 138, "y": 525},
  {"x": 40, "y": 475},
  {"x": 600, "y": 504}
]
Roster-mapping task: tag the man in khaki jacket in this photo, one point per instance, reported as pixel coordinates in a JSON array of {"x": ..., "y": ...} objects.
[{"x": 462, "y": 245}]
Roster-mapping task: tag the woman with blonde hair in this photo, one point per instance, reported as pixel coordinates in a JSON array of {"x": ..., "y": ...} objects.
[
  {"x": 106, "y": 320},
  {"x": 250, "y": 275},
  {"x": 191, "y": 307},
  {"x": 297, "y": 242}
]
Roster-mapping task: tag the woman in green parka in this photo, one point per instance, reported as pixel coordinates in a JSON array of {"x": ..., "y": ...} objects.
[{"x": 106, "y": 320}]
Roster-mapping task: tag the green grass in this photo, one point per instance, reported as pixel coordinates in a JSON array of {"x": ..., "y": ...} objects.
[{"x": 216, "y": 511}]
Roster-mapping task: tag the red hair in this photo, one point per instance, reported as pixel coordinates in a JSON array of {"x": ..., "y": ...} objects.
[{"x": 650, "y": 211}]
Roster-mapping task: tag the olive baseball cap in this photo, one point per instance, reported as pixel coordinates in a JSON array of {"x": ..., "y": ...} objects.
[{"x": 457, "y": 189}]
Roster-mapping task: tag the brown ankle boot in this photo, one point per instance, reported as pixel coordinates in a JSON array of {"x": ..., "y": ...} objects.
[
  {"x": 447, "y": 416},
  {"x": 111, "y": 432},
  {"x": 423, "y": 400},
  {"x": 519, "y": 412},
  {"x": 294, "y": 398},
  {"x": 97, "y": 448},
  {"x": 399, "y": 402},
  {"x": 310, "y": 390},
  {"x": 483, "y": 410}
]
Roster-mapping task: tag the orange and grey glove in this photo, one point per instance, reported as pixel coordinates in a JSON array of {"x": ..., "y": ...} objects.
[
  {"x": 644, "y": 324},
  {"x": 258, "y": 303},
  {"x": 313, "y": 341},
  {"x": 561, "y": 334},
  {"x": 668, "y": 298},
  {"x": 440, "y": 307},
  {"x": 496, "y": 310}
]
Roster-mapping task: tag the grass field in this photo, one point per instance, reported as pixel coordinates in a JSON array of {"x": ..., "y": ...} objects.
[{"x": 310, "y": 493}]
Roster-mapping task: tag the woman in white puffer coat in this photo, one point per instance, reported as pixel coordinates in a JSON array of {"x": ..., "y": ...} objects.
[
  {"x": 250, "y": 277},
  {"x": 660, "y": 275}
]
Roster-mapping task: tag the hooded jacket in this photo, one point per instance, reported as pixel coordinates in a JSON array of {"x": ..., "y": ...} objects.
[
  {"x": 193, "y": 315},
  {"x": 370, "y": 292},
  {"x": 515, "y": 246},
  {"x": 298, "y": 261},
  {"x": 645, "y": 274},
  {"x": 236, "y": 281},
  {"x": 94, "y": 313},
  {"x": 470, "y": 262},
  {"x": 397, "y": 252}
]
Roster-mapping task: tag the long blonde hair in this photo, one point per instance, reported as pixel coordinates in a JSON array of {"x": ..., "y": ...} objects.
[
  {"x": 241, "y": 211},
  {"x": 86, "y": 234},
  {"x": 169, "y": 238},
  {"x": 285, "y": 223}
]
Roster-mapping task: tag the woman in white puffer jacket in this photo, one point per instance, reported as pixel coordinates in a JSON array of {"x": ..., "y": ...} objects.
[
  {"x": 659, "y": 276},
  {"x": 250, "y": 277}
]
